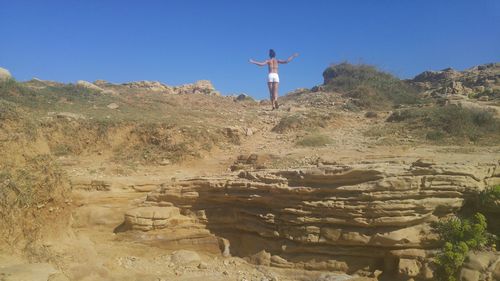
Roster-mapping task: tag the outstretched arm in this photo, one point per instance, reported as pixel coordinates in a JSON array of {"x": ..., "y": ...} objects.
[
  {"x": 289, "y": 59},
  {"x": 257, "y": 62}
]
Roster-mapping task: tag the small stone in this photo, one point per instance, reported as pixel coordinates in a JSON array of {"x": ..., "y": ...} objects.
[
  {"x": 261, "y": 258},
  {"x": 248, "y": 132},
  {"x": 202, "y": 265},
  {"x": 377, "y": 273},
  {"x": 165, "y": 162},
  {"x": 408, "y": 267},
  {"x": 112, "y": 106}
]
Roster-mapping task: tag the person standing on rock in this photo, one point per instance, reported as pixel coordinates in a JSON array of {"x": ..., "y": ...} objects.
[{"x": 273, "y": 79}]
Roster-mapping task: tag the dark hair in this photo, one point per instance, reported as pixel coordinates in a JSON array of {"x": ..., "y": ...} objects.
[{"x": 272, "y": 53}]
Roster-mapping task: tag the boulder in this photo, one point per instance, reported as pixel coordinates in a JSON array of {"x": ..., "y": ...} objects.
[
  {"x": 479, "y": 261},
  {"x": 4, "y": 74},
  {"x": 408, "y": 267},
  {"x": 469, "y": 275},
  {"x": 261, "y": 258},
  {"x": 101, "y": 83}
]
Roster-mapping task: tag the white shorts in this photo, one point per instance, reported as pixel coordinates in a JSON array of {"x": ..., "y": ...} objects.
[{"x": 273, "y": 77}]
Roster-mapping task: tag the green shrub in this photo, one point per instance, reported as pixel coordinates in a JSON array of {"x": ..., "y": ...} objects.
[
  {"x": 368, "y": 86},
  {"x": 465, "y": 122},
  {"x": 490, "y": 198},
  {"x": 451, "y": 259},
  {"x": 459, "y": 237},
  {"x": 450, "y": 121},
  {"x": 314, "y": 140}
]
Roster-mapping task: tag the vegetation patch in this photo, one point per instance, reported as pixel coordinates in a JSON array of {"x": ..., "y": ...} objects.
[
  {"x": 8, "y": 111},
  {"x": 488, "y": 203},
  {"x": 371, "y": 114},
  {"x": 368, "y": 87},
  {"x": 490, "y": 198},
  {"x": 307, "y": 121},
  {"x": 158, "y": 143},
  {"x": 459, "y": 237},
  {"x": 455, "y": 123},
  {"x": 30, "y": 191}
]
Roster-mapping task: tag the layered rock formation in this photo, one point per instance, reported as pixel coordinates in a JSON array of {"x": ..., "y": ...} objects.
[
  {"x": 365, "y": 216},
  {"x": 482, "y": 80}
]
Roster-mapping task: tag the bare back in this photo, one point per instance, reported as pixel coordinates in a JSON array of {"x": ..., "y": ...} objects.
[{"x": 272, "y": 64}]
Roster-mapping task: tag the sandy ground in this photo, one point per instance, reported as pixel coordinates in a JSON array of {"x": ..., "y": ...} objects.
[{"x": 91, "y": 250}]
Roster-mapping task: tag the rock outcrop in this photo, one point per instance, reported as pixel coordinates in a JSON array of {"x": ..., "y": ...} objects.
[
  {"x": 200, "y": 87},
  {"x": 88, "y": 85},
  {"x": 479, "y": 81},
  {"x": 480, "y": 266},
  {"x": 4, "y": 74},
  {"x": 204, "y": 87},
  {"x": 358, "y": 217},
  {"x": 153, "y": 86}
]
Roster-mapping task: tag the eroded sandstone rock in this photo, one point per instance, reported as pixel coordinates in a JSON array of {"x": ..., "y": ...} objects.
[
  {"x": 148, "y": 218},
  {"x": 353, "y": 217}
]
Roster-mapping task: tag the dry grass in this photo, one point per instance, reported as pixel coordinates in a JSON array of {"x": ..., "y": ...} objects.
[
  {"x": 303, "y": 121},
  {"x": 314, "y": 140},
  {"x": 29, "y": 187},
  {"x": 450, "y": 124},
  {"x": 368, "y": 87},
  {"x": 146, "y": 127}
]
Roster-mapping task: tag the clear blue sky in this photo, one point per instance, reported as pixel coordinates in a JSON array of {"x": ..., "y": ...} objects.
[{"x": 179, "y": 42}]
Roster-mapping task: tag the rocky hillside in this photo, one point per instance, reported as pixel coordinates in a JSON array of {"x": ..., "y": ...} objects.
[
  {"x": 346, "y": 181},
  {"x": 482, "y": 82}
]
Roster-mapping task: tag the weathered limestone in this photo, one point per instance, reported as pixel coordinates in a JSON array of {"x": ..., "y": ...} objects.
[
  {"x": 148, "y": 218},
  {"x": 480, "y": 266},
  {"x": 364, "y": 216},
  {"x": 199, "y": 87}
]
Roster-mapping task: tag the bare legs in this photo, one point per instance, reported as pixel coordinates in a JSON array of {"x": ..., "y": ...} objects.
[{"x": 273, "y": 94}]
